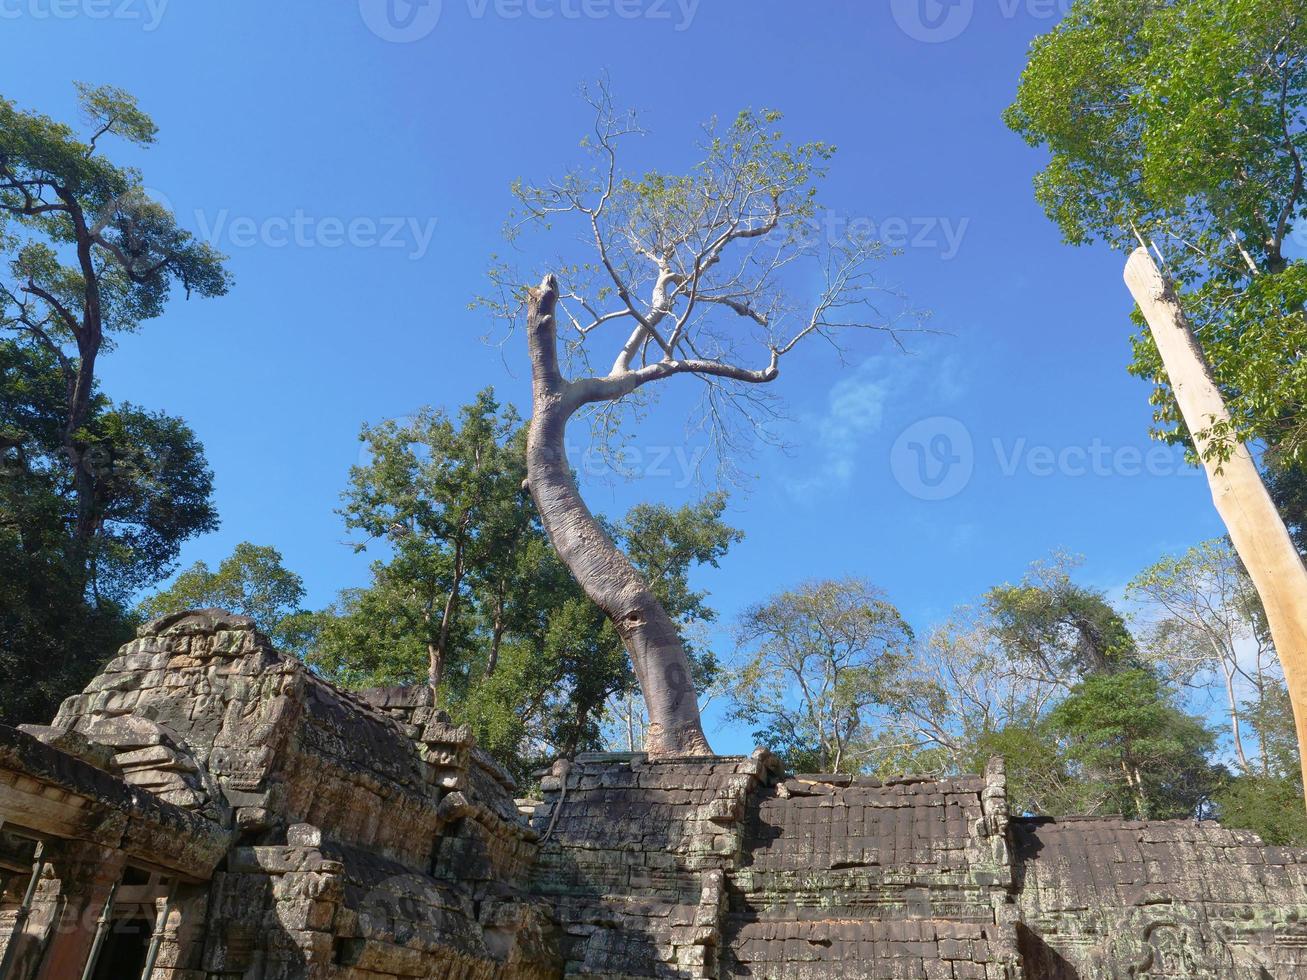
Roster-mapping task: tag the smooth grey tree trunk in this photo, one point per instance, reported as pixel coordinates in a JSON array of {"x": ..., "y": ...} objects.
[{"x": 604, "y": 573}]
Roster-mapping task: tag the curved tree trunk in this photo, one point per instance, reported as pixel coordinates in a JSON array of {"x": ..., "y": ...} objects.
[
  {"x": 1255, "y": 526},
  {"x": 602, "y": 570}
]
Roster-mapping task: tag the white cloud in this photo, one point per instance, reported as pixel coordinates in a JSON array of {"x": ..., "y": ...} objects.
[{"x": 856, "y": 409}]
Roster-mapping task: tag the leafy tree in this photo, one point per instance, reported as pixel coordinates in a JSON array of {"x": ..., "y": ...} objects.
[
  {"x": 963, "y": 699},
  {"x": 151, "y": 492},
  {"x": 1206, "y": 616},
  {"x": 251, "y": 581},
  {"x": 1270, "y": 807},
  {"x": 445, "y": 497},
  {"x": 95, "y": 498},
  {"x": 467, "y": 571},
  {"x": 51, "y": 640},
  {"x": 1125, "y": 736},
  {"x": 1287, "y": 485},
  {"x": 90, "y": 256},
  {"x": 1268, "y": 802},
  {"x": 1041, "y": 779},
  {"x": 821, "y": 659},
  {"x": 691, "y": 269},
  {"x": 1271, "y": 718},
  {"x": 1046, "y": 674},
  {"x": 1184, "y": 120},
  {"x": 1057, "y": 629}
]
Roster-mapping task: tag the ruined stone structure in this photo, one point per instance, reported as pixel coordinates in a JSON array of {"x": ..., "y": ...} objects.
[{"x": 210, "y": 810}]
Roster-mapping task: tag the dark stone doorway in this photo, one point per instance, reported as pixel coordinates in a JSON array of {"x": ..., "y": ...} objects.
[{"x": 123, "y": 955}]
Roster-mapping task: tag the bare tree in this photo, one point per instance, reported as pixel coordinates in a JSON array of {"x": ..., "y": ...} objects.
[
  {"x": 684, "y": 275},
  {"x": 962, "y": 684},
  {"x": 823, "y": 660},
  {"x": 1206, "y": 624}
]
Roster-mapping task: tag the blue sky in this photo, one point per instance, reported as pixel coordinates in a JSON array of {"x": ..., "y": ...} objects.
[{"x": 354, "y": 161}]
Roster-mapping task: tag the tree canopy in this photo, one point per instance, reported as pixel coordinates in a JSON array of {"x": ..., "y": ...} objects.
[
  {"x": 466, "y": 579},
  {"x": 819, "y": 661},
  {"x": 1183, "y": 121},
  {"x": 98, "y": 496},
  {"x": 251, "y": 581}
]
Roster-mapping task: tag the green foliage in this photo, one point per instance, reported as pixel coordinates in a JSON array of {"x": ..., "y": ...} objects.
[
  {"x": 1124, "y": 735},
  {"x": 152, "y": 491},
  {"x": 1207, "y": 628},
  {"x": 69, "y": 209},
  {"x": 1062, "y": 629},
  {"x": 446, "y": 499},
  {"x": 1048, "y": 676},
  {"x": 1209, "y": 631},
  {"x": 696, "y": 268},
  {"x": 1271, "y": 717},
  {"x": 1270, "y": 807},
  {"x": 112, "y": 110},
  {"x": 820, "y": 660},
  {"x": 1184, "y": 120},
  {"x": 964, "y": 698},
  {"x": 96, "y": 497},
  {"x": 152, "y": 485},
  {"x": 1287, "y": 484},
  {"x": 749, "y": 160},
  {"x": 251, "y": 581},
  {"x": 466, "y": 579},
  {"x": 52, "y": 641},
  {"x": 1039, "y": 775}
]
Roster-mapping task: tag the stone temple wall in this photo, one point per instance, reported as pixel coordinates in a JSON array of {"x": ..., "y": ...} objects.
[
  {"x": 857, "y": 878},
  {"x": 1098, "y": 898},
  {"x": 253, "y": 822},
  {"x": 729, "y": 868},
  {"x": 369, "y": 837}
]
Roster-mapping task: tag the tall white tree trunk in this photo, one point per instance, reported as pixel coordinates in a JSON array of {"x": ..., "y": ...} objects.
[
  {"x": 1255, "y": 526},
  {"x": 602, "y": 570}
]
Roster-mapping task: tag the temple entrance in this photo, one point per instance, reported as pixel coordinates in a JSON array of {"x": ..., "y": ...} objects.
[{"x": 124, "y": 951}]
